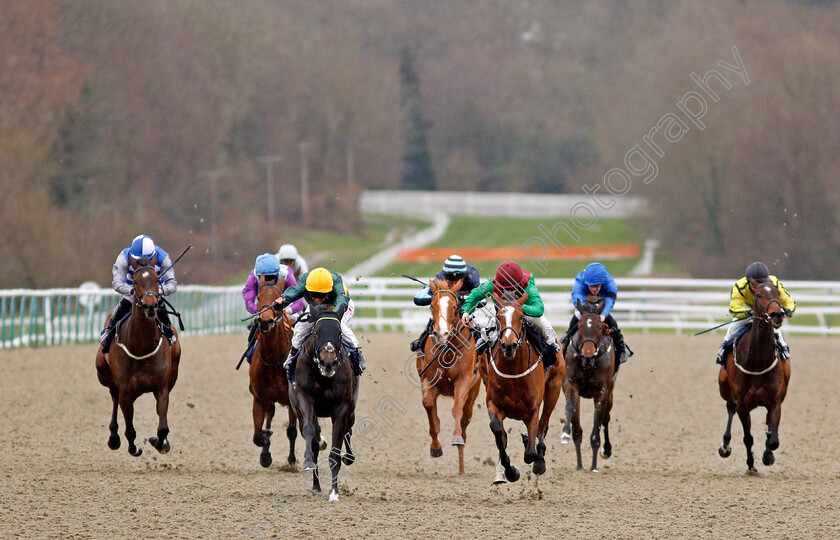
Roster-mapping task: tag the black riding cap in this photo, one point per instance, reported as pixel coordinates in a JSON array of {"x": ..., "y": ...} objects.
[{"x": 758, "y": 271}]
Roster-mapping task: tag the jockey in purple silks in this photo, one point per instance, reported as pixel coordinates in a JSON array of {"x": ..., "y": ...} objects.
[{"x": 269, "y": 271}]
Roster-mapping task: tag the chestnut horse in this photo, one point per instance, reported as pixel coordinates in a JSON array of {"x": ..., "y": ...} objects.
[
  {"x": 517, "y": 385},
  {"x": 325, "y": 387},
  {"x": 268, "y": 383},
  {"x": 590, "y": 370},
  {"x": 755, "y": 376},
  {"x": 448, "y": 368},
  {"x": 140, "y": 360}
]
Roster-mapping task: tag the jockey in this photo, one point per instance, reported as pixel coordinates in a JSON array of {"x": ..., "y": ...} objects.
[
  {"x": 322, "y": 287},
  {"x": 454, "y": 270},
  {"x": 511, "y": 278},
  {"x": 740, "y": 307},
  {"x": 142, "y": 252},
  {"x": 595, "y": 280},
  {"x": 288, "y": 255},
  {"x": 267, "y": 271}
]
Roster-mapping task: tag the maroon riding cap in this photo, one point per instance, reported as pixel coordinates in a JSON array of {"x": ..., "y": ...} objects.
[{"x": 510, "y": 275}]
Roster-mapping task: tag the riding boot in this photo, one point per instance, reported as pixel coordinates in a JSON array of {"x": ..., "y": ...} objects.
[
  {"x": 549, "y": 354},
  {"x": 723, "y": 350},
  {"x": 123, "y": 309},
  {"x": 163, "y": 317},
  {"x": 357, "y": 361},
  {"x": 623, "y": 352},
  {"x": 290, "y": 364},
  {"x": 419, "y": 344},
  {"x": 570, "y": 331}
]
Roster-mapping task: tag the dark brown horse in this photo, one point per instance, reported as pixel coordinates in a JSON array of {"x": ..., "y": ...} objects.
[
  {"x": 755, "y": 376},
  {"x": 140, "y": 361},
  {"x": 326, "y": 388},
  {"x": 448, "y": 368},
  {"x": 268, "y": 383},
  {"x": 590, "y": 370},
  {"x": 516, "y": 387}
]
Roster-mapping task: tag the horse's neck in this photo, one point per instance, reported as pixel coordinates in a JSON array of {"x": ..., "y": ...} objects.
[
  {"x": 274, "y": 342},
  {"x": 762, "y": 345},
  {"x": 140, "y": 330}
]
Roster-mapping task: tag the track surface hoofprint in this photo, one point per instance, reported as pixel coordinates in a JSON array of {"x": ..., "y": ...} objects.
[{"x": 58, "y": 479}]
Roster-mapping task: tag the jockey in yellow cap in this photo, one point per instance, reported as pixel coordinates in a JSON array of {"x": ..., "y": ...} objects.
[{"x": 326, "y": 288}]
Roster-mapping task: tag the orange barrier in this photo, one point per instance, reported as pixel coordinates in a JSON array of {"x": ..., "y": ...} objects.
[{"x": 432, "y": 254}]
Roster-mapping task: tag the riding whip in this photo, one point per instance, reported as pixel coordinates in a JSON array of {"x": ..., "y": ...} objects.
[
  {"x": 415, "y": 279},
  {"x": 723, "y": 324},
  {"x": 176, "y": 260}
]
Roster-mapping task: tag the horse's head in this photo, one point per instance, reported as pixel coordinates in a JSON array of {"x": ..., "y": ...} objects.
[
  {"x": 327, "y": 351},
  {"x": 590, "y": 326},
  {"x": 509, "y": 319},
  {"x": 147, "y": 290},
  {"x": 268, "y": 293},
  {"x": 445, "y": 309},
  {"x": 767, "y": 306}
]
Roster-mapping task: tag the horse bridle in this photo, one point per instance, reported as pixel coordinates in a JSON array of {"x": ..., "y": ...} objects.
[
  {"x": 277, "y": 316},
  {"x": 458, "y": 324},
  {"x": 519, "y": 335},
  {"x": 328, "y": 346},
  {"x": 599, "y": 347},
  {"x": 138, "y": 298}
]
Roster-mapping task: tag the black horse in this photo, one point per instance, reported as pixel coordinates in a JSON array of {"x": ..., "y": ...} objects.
[{"x": 326, "y": 387}]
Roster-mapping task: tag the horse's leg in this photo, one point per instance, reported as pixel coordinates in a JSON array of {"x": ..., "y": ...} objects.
[
  {"x": 258, "y": 413},
  {"x": 291, "y": 433},
  {"x": 552, "y": 393},
  {"x": 338, "y": 431},
  {"x": 311, "y": 431},
  {"x": 466, "y": 416},
  {"x": 573, "y": 420},
  {"x": 459, "y": 399},
  {"x": 598, "y": 419},
  {"x": 531, "y": 453},
  {"x": 430, "y": 396},
  {"x": 606, "y": 450},
  {"x": 127, "y": 406},
  {"x": 725, "y": 450},
  {"x": 774, "y": 416},
  {"x": 497, "y": 427},
  {"x": 744, "y": 415},
  {"x": 114, "y": 438},
  {"x": 161, "y": 443}
]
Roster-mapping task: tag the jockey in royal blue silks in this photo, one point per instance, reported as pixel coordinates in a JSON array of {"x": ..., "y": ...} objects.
[
  {"x": 595, "y": 280},
  {"x": 142, "y": 252},
  {"x": 455, "y": 269}
]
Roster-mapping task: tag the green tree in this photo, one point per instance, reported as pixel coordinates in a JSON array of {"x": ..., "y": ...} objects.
[{"x": 417, "y": 170}]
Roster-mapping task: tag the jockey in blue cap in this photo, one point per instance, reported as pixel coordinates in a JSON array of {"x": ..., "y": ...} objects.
[
  {"x": 595, "y": 280},
  {"x": 143, "y": 252}
]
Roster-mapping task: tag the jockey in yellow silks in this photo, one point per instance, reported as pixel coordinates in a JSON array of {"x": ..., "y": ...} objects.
[{"x": 741, "y": 304}]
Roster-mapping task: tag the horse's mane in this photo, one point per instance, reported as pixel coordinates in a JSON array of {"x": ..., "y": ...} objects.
[{"x": 592, "y": 306}]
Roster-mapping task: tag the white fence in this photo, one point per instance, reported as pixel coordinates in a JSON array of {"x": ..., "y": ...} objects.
[
  {"x": 53, "y": 316},
  {"x": 472, "y": 203}
]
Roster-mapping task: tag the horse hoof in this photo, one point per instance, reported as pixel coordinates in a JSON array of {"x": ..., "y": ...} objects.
[
  {"x": 333, "y": 496},
  {"x": 565, "y": 438},
  {"x": 530, "y": 457},
  {"x": 265, "y": 459},
  {"x": 752, "y": 471},
  {"x": 135, "y": 451},
  {"x": 604, "y": 454},
  {"x": 348, "y": 458},
  {"x": 436, "y": 452},
  {"x": 308, "y": 465},
  {"x": 724, "y": 451},
  {"x": 458, "y": 441},
  {"x": 500, "y": 479},
  {"x": 524, "y": 439},
  {"x": 593, "y": 470},
  {"x": 539, "y": 467},
  {"x": 291, "y": 460},
  {"x": 323, "y": 444},
  {"x": 162, "y": 447},
  {"x": 114, "y": 442},
  {"x": 512, "y": 474},
  {"x": 768, "y": 459}
]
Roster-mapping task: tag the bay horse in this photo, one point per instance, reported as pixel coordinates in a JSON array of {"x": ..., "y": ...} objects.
[
  {"x": 140, "y": 361},
  {"x": 590, "y": 373},
  {"x": 448, "y": 367},
  {"x": 517, "y": 385},
  {"x": 268, "y": 383},
  {"x": 755, "y": 375},
  {"x": 326, "y": 387}
]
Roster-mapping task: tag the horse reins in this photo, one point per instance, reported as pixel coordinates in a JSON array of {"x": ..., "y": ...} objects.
[
  {"x": 316, "y": 356},
  {"x": 519, "y": 336},
  {"x": 766, "y": 318},
  {"x": 456, "y": 330}
]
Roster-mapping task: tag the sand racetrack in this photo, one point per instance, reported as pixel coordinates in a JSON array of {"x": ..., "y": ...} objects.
[{"x": 58, "y": 479}]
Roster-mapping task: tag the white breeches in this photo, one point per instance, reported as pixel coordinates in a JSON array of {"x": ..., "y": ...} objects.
[{"x": 302, "y": 329}]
